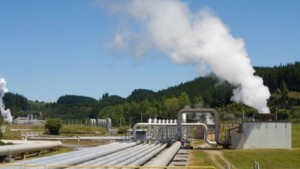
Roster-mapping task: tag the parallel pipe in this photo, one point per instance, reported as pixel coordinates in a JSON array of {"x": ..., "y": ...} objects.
[
  {"x": 138, "y": 156},
  {"x": 117, "y": 157},
  {"x": 212, "y": 111},
  {"x": 58, "y": 157},
  {"x": 78, "y": 158},
  {"x": 124, "y": 160},
  {"x": 147, "y": 157},
  {"x": 182, "y": 124},
  {"x": 164, "y": 158},
  {"x": 26, "y": 148},
  {"x": 88, "y": 157}
]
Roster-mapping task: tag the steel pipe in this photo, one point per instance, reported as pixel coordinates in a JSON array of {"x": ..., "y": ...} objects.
[
  {"x": 183, "y": 124},
  {"x": 26, "y": 148},
  {"x": 83, "y": 158},
  {"x": 139, "y": 155},
  {"x": 58, "y": 157},
  {"x": 147, "y": 157},
  {"x": 164, "y": 158},
  {"x": 77, "y": 158},
  {"x": 127, "y": 159},
  {"x": 212, "y": 111},
  {"x": 116, "y": 157}
]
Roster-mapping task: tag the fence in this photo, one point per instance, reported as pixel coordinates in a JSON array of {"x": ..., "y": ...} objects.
[{"x": 31, "y": 134}]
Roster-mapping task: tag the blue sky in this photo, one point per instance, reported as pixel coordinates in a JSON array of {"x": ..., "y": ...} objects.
[{"x": 51, "y": 48}]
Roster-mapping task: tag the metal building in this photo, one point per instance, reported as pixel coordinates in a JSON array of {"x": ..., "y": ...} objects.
[{"x": 262, "y": 135}]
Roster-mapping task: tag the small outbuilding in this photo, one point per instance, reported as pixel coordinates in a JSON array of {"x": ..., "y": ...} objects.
[{"x": 262, "y": 135}]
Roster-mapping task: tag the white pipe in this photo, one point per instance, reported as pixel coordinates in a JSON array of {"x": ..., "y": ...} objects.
[
  {"x": 183, "y": 124},
  {"x": 25, "y": 148},
  {"x": 68, "y": 155},
  {"x": 123, "y": 160},
  {"x": 164, "y": 158},
  {"x": 147, "y": 157},
  {"x": 83, "y": 158},
  {"x": 114, "y": 156},
  {"x": 78, "y": 158},
  {"x": 139, "y": 155},
  {"x": 117, "y": 156}
]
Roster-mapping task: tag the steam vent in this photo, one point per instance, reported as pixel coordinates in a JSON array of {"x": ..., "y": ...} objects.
[{"x": 264, "y": 133}]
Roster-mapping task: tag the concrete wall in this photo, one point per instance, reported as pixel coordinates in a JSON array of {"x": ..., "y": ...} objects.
[
  {"x": 237, "y": 141},
  {"x": 266, "y": 135}
]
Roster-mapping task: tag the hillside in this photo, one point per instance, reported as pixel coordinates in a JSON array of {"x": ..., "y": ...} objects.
[
  {"x": 275, "y": 76},
  {"x": 141, "y": 104}
]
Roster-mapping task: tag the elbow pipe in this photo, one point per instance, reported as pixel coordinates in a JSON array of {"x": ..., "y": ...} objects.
[
  {"x": 212, "y": 111},
  {"x": 182, "y": 124}
]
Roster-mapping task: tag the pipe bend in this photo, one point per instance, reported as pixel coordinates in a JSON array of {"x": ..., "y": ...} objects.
[{"x": 204, "y": 110}]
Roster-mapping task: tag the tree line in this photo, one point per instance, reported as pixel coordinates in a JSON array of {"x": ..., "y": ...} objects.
[{"x": 283, "y": 81}]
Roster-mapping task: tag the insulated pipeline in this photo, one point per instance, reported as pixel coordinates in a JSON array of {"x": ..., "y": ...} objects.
[
  {"x": 211, "y": 111},
  {"x": 116, "y": 157},
  {"x": 131, "y": 157},
  {"x": 147, "y": 157},
  {"x": 80, "y": 159},
  {"x": 67, "y": 155},
  {"x": 173, "y": 125},
  {"x": 164, "y": 158},
  {"x": 139, "y": 155},
  {"x": 25, "y": 148},
  {"x": 77, "y": 158}
]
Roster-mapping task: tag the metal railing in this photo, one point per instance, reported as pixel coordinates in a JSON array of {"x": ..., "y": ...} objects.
[
  {"x": 33, "y": 166},
  {"x": 31, "y": 134}
]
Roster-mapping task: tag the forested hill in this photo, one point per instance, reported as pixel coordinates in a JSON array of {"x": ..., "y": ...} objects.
[
  {"x": 274, "y": 76},
  {"x": 283, "y": 81},
  {"x": 74, "y": 99},
  {"x": 207, "y": 89}
]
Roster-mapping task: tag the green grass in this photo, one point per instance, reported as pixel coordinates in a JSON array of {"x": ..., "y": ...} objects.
[
  {"x": 244, "y": 159},
  {"x": 296, "y": 135},
  {"x": 66, "y": 130},
  {"x": 200, "y": 158},
  {"x": 12, "y": 132},
  {"x": 80, "y": 130},
  {"x": 268, "y": 159}
]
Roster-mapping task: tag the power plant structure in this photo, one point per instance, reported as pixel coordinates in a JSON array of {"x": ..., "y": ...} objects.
[
  {"x": 104, "y": 123},
  {"x": 263, "y": 134},
  {"x": 158, "y": 141}
]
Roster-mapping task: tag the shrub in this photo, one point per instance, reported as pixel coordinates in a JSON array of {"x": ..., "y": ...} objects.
[
  {"x": 122, "y": 130},
  {"x": 53, "y": 126}
]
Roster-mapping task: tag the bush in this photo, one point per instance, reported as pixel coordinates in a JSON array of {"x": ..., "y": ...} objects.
[
  {"x": 53, "y": 126},
  {"x": 122, "y": 130}
]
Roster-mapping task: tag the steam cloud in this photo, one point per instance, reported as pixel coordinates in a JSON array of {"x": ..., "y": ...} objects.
[
  {"x": 195, "y": 38},
  {"x": 4, "y": 113}
]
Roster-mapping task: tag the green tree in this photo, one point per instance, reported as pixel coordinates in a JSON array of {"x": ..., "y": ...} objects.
[
  {"x": 184, "y": 100},
  {"x": 171, "y": 106},
  {"x": 53, "y": 126}
]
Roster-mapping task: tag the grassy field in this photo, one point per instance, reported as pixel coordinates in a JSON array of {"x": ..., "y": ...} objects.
[
  {"x": 268, "y": 159},
  {"x": 296, "y": 135},
  {"x": 13, "y": 132},
  {"x": 244, "y": 159},
  {"x": 81, "y": 130}
]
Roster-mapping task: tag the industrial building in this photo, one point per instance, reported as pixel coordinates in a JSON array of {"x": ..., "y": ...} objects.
[{"x": 262, "y": 135}]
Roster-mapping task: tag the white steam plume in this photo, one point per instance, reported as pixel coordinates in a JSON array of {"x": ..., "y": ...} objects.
[
  {"x": 4, "y": 113},
  {"x": 196, "y": 38}
]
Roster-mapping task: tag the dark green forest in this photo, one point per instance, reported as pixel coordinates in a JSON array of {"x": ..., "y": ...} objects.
[{"x": 283, "y": 82}]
